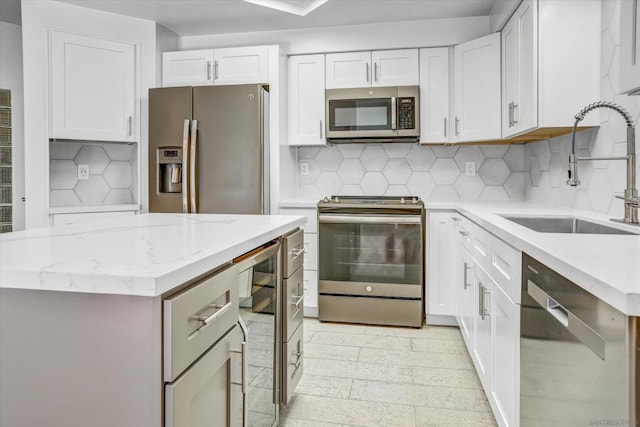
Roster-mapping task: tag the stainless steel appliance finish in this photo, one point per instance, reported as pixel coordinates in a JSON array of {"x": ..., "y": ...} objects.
[
  {"x": 260, "y": 281},
  {"x": 208, "y": 149},
  {"x": 376, "y": 114},
  {"x": 371, "y": 260},
  {"x": 571, "y": 225},
  {"x": 578, "y": 355}
]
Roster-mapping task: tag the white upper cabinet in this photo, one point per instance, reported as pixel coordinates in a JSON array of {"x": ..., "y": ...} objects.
[
  {"x": 306, "y": 100},
  {"x": 395, "y": 67},
  {"x": 550, "y": 67},
  {"x": 519, "y": 79},
  {"x": 629, "y": 47},
  {"x": 378, "y": 68},
  {"x": 226, "y": 66},
  {"x": 434, "y": 95},
  {"x": 477, "y": 89},
  {"x": 92, "y": 88},
  {"x": 241, "y": 65},
  {"x": 187, "y": 68}
]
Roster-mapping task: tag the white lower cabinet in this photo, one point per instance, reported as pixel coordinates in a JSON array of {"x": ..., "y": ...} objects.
[
  {"x": 441, "y": 292},
  {"x": 488, "y": 317},
  {"x": 86, "y": 217}
]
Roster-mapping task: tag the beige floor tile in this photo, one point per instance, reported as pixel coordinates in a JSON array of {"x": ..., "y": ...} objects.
[
  {"x": 334, "y": 352},
  {"x": 361, "y": 340},
  {"x": 426, "y": 332},
  {"x": 320, "y": 385},
  {"x": 461, "y": 378},
  {"x": 344, "y": 328},
  {"x": 413, "y": 358},
  {"x": 438, "y": 346},
  {"x": 438, "y": 417},
  {"x": 305, "y": 423},
  {"x": 358, "y": 370},
  {"x": 351, "y": 412},
  {"x": 420, "y": 395}
]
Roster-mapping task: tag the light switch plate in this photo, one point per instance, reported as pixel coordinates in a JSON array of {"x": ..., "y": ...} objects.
[{"x": 470, "y": 168}]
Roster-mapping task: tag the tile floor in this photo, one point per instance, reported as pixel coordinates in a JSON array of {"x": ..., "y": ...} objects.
[{"x": 383, "y": 376}]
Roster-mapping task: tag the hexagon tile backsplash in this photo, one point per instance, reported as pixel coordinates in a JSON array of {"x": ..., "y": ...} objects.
[
  {"x": 112, "y": 174},
  {"x": 430, "y": 172}
]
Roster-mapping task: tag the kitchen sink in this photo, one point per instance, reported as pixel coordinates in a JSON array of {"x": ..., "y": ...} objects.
[{"x": 567, "y": 224}]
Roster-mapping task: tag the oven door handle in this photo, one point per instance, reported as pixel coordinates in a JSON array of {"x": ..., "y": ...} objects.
[{"x": 373, "y": 219}]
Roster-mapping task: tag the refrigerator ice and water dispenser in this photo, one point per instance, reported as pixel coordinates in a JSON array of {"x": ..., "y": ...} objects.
[{"x": 169, "y": 170}]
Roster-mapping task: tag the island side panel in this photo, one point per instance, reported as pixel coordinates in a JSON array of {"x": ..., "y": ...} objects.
[{"x": 74, "y": 359}]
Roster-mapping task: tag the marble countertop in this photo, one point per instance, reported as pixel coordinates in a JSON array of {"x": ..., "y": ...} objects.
[
  {"x": 144, "y": 255},
  {"x": 608, "y": 266}
]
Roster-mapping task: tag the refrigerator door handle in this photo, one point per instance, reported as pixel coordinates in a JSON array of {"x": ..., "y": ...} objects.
[
  {"x": 185, "y": 167},
  {"x": 193, "y": 164}
]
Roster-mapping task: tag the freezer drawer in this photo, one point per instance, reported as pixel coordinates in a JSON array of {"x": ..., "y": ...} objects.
[
  {"x": 293, "y": 303},
  {"x": 293, "y": 361},
  {"x": 198, "y": 317},
  {"x": 293, "y": 252},
  {"x": 207, "y": 394}
]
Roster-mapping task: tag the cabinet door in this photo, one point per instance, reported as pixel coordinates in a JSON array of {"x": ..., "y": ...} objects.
[
  {"x": 467, "y": 288},
  {"x": 434, "y": 95},
  {"x": 483, "y": 341},
  {"x": 310, "y": 286},
  {"x": 92, "y": 92},
  {"x": 441, "y": 265},
  {"x": 350, "y": 69},
  {"x": 519, "y": 71},
  {"x": 506, "y": 358},
  {"x": 395, "y": 67},
  {"x": 477, "y": 89},
  {"x": 630, "y": 47},
  {"x": 306, "y": 100},
  {"x": 205, "y": 395},
  {"x": 187, "y": 68},
  {"x": 241, "y": 65}
]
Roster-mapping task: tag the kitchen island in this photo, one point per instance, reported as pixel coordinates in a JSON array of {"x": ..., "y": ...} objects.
[{"x": 81, "y": 311}]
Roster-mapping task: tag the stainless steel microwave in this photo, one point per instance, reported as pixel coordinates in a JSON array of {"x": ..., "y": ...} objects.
[{"x": 376, "y": 114}]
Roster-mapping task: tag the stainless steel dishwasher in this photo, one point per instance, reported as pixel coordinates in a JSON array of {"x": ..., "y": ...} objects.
[{"x": 578, "y": 355}]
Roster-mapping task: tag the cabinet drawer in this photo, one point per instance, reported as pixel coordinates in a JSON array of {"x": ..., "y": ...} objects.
[
  {"x": 464, "y": 231},
  {"x": 504, "y": 266},
  {"x": 294, "y": 302},
  {"x": 196, "y": 318},
  {"x": 480, "y": 245},
  {"x": 293, "y": 358},
  {"x": 293, "y": 252}
]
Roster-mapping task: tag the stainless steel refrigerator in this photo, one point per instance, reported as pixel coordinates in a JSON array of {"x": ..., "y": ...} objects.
[{"x": 208, "y": 149}]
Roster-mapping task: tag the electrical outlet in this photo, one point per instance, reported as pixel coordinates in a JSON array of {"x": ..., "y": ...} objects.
[
  {"x": 470, "y": 168},
  {"x": 83, "y": 172},
  {"x": 304, "y": 168}
]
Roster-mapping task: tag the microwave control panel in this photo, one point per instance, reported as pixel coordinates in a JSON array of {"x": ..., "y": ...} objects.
[{"x": 406, "y": 113}]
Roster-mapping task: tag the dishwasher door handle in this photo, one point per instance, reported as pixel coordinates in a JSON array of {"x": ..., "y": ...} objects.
[{"x": 583, "y": 332}]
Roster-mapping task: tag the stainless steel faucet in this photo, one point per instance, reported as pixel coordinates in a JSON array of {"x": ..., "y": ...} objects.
[{"x": 631, "y": 200}]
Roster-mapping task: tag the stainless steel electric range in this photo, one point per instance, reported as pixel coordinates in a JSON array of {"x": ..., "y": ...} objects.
[{"x": 371, "y": 260}]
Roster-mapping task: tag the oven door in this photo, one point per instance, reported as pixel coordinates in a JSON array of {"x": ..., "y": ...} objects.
[{"x": 371, "y": 255}]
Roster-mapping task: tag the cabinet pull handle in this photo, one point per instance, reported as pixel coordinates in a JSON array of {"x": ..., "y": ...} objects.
[
  {"x": 296, "y": 252},
  {"x": 215, "y": 70},
  {"x": 375, "y": 71},
  {"x": 463, "y": 233},
  {"x": 394, "y": 113},
  {"x": 208, "y": 70},
  {"x": 296, "y": 364},
  {"x": 465, "y": 275},
  {"x": 509, "y": 119},
  {"x": 513, "y": 114},
  {"x": 206, "y": 320},
  {"x": 320, "y": 129},
  {"x": 296, "y": 300},
  {"x": 129, "y": 125},
  {"x": 242, "y": 351},
  {"x": 367, "y": 71},
  {"x": 457, "y": 126},
  {"x": 455, "y": 218},
  {"x": 481, "y": 300},
  {"x": 445, "y": 127},
  {"x": 245, "y": 370}
]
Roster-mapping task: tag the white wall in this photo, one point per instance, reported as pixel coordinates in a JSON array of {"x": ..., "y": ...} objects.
[
  {"x": 37, "y": 18},
  {"x": 11, "y": 78},
  {"x": 425, "y": 33},
  {"x": 166, "y": 41},
  {"x": 548, "y": 161}
]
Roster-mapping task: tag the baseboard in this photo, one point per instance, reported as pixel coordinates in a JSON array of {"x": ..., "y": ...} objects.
[
  {"x": 310, "y": 312},
  {"x": 438, "y": 319}
]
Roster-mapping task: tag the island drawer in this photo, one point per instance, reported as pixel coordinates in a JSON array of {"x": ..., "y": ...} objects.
[
  {"x": 293, "y": 359},
  {"x": 293, "y": 252},
  {"x": 196, "y": 318},
  {"x": 294, "y": 302}
]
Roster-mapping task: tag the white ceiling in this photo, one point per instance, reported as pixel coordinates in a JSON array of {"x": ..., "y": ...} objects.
[{"x": 196, "y": 17}]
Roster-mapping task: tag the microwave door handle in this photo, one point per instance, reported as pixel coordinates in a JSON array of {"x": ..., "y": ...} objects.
[
  {"x": 193, "y": 165},
  {"x": 185, "y": 167},
  {"x": 394, "y": 113}
]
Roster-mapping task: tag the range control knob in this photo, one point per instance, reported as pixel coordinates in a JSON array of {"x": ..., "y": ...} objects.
[
  {"x": 336, "y": 200},
  {"x": 325, "y": 200},
  {"x": 369, "y": 288},
  {"x": 414, "y": 200},
  {"x": 402, "y": 201}
]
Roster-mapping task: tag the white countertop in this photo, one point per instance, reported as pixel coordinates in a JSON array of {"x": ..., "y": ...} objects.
[{"x": 143, "y": 255}]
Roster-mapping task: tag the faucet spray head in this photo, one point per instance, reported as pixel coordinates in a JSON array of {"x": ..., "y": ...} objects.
[{"x": 573, "y": 171}]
